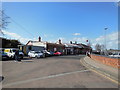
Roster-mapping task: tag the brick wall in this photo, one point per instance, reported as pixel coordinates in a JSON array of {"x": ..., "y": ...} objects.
[{"x": 114, "y": 62}]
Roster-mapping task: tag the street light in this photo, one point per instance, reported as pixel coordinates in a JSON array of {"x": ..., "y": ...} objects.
[{"x": 105, "y": 40}]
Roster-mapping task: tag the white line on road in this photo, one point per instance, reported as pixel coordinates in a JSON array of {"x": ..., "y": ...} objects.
[{"x": 46, "y": 77}]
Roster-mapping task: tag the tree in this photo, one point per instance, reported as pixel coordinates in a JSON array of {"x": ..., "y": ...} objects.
[
  {"x": 3, "y": 21},
  {"x": 98, "y": 47},
  {"x": 8, "y": 43}
]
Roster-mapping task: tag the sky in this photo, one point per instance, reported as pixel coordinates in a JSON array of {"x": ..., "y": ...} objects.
[{"x": 68, "y": 21}]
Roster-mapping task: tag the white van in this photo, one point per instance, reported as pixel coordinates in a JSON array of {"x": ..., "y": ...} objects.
[{"x": 11, "y": 52}]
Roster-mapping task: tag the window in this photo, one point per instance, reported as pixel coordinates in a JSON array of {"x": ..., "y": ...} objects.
[{"x": 30, "y": 48}]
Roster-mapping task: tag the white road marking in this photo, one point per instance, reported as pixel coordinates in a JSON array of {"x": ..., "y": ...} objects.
[{"x": 41, "y": 78}]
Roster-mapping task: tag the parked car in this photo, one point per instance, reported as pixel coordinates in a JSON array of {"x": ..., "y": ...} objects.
[
  {"x": 4, "y": 55},
  {"x": 11, "y": 53},
  {"x": 115, "y": 55},
  {"x": 46, "y": 53},
  {"x": 51, "y": 53},
  {"x": 21, "y": 54},
  {"x": 36, "y": 54},
  {"x": 58, "y": 53}
]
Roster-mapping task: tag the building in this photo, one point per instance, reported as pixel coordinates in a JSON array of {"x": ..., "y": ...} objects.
[
  {"x": 41, "y": 45},
  {"x": 72, "y": 49},
  {"x": 84, "y": 48},
  {"x": 27, "y": 48},
  {"x": 66, "y": 48}
]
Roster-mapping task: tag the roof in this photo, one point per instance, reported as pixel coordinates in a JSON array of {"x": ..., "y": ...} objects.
[
  {"x": 84, "y": 46},
  {"x": 44, "y": 42},
  {"x": 35, "y": 42},
  {"x": 55, "y": 44},
  {"x": 72, "y": 45}
]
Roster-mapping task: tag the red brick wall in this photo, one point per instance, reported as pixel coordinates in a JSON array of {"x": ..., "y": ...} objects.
[{"x": 114, "y": 62}]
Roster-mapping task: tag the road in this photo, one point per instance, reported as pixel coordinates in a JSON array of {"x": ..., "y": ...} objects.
[{"x": 52, "y": 72}]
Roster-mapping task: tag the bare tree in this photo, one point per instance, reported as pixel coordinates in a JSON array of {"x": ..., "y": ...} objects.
[
  {"x": 98, "y": 47},
  {"x": 3, "y": 21}
]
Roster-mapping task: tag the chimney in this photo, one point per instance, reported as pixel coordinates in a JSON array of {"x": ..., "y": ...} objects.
[
  {"x": 70, "y": 42},
  {"x": 60, "y": 41},
  {"x": 39, "y": 39}
]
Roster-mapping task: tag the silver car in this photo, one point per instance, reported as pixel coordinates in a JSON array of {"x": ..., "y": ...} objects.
[{"x": 36, "y": 54}]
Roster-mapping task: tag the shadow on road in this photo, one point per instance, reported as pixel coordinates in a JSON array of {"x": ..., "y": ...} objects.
[
  {"x": 1, "y": 78},
  {"x": 70, "y": 57},
  {"x": 8, "y": 59}
]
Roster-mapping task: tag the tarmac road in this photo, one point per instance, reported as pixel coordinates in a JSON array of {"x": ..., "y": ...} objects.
[{"x": 52, "y": 72}]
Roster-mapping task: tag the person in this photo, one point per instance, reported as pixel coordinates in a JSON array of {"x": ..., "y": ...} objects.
[
  {"x": 17, "y": 56},
  {"x": 88, "y": 54}
]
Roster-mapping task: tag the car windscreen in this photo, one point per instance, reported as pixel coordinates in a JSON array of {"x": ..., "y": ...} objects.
[
  {"x": 4, "y": 53},
  {"x": 14, "y": 50},
  {"x": 37, "y": 52},
  {"x": 115, "y": 54}
]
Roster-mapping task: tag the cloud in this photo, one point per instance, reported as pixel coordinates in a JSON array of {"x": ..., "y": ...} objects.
[
  {"x": 47, "y": 35},
  {"x": 76, "y": 34},
  {"x": 16, "y": 36},
  {"x": 80, "y": 39},
  {"x": 63, "y": 40},
  {"x": 111, "y": 40}
]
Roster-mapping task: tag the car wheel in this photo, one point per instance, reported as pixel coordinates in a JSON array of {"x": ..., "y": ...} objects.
[
  {"x": 29, "y": 56},
  {"x": 21, "y": 58},
  {"x": 43, "y": 56},
  {"x": 36, "y": 57}
]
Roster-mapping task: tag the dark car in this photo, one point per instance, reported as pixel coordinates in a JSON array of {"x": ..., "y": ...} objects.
[
  {"x": 51, "y": 53},
  {"x": 21, "y": 54},
  {"x": 4, "y": 55},
  {"x": 46, "y": 53}
]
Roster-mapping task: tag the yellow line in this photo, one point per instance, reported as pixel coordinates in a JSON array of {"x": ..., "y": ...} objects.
[
  {"x": 103, "y": 75},
  {"x": 106, "y": 77}
]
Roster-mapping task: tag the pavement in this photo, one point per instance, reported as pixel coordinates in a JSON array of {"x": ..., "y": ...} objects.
[{"x": 98, "y": 67}]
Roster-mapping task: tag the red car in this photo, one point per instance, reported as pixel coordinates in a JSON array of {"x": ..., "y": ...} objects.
[{"x": 57, "y": 53}]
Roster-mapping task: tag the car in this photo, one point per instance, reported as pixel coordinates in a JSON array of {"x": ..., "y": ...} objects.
[
  {"x": 21, "y": 54},
  {"x": 117, "y": 55},
  {"x": 51, "y": 53},
  {"x": 36, "y": 54},
  {"x": 4, "y": 55},
  {"x": 11, "y": 53},
  {"x": 58, "y": 53},
  {"x": 46, "y": 53}
]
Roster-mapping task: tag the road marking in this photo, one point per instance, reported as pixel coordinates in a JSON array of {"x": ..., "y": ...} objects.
[
  {"x": 106, "y": 77},
  {"x": 41, "y": 78},
  {"x": 93, "y": 66},
  {"x": 115, "y": 81}
]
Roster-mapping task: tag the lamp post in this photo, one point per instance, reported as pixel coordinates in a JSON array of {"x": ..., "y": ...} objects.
[{"x": 105, "y": 41}]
